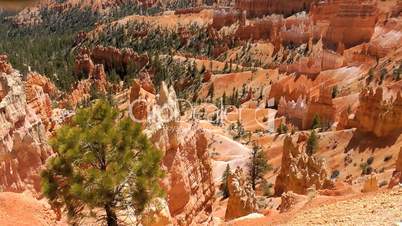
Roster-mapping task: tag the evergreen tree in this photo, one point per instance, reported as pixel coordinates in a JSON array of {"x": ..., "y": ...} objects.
[
  {"x": 211, "y": 91},
  {"x": 383, "y": 74},
  {"x": 370, "y": 75},
  {"x": 101, "y": 162},
  {"x": 225, "y": 67},
  {"x": 240, "y": 129},
  {"x": 282, "y": 129},
  {"x": 397, "y": 73},
  {"x": 224, "y": 182},
  {"x": 316, "y": 122},
  {"x": 258, "y": 166},
  {"x": 312, "y": 143},
  {"x": 224, "y": 99},
  {"x": 335, "y": 91}
]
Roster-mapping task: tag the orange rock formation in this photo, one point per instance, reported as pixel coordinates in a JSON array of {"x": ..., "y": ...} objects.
[
  {"x": 258, "y": 8},
  {"x": 242, "y": 200},
  {"x": 23, "y": 142},
  {"x": 379, "y": 113},
  {"x": 300, "y": 171}
]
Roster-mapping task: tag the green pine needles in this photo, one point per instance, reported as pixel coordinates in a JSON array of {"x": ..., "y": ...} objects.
[{"x": 102, "y": 162}]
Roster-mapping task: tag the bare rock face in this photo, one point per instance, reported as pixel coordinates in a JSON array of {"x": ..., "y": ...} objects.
[
  {"x": 146, "y": 83},
  {"x": 299, "y": 171},
  {"x": 189, "y": 182},
  {"x": 399, "y": 162},
  {"x": 370, "y": 184},
  {"x": 118, "y": 59},
  {"x": 397, "y": 10},
  {"x": 5, "y": 67},
  {"x": 95, "y": 79},
  {"x": 302, "y": 112},
  {"x": 379, "y": 113},
  {"x": 319, "y": 60},
  {"x": 223, "y": 18},
  {"x": 39, "y": 91},
  {"x": 156, "y": 214},
  {"x": 341, "y": 15},
  {"x": 141, "y": 102},
  {"x": 289, "y": 200},
  {"x": 242, "y": 200},
  {"x": 323, "y": 107},
  {"x": 397, "y": 174},
  {"x": 258, "y": 8},
  {"x": 23, "y": 145},
  {"x": 83, "y": 64}
]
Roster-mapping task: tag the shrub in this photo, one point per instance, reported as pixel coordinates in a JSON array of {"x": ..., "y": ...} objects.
[
  {"x": 335, "y": 174},
  {"x": 387, "y": 158},
  {"x": 335, "y": 91},
  {"x": 282, "y": 129},
  {"x": 383, "y": 183},
  {"x": 267, "y": 188},
  {"x": 370, "y": 160},
  {"x": 366, "y": 168}
]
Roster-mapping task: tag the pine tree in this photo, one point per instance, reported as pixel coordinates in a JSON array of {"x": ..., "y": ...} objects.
[
  {"x": 258, "y": 166},
  {"x": 312, "y": 143},
  {"x": 316, "y": 122},
  {"x": 101, "y": 162},
  {"x": 224, "y": 182}
]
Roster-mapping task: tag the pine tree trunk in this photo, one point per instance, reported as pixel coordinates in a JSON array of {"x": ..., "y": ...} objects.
[{"x": 111, "y": 217}]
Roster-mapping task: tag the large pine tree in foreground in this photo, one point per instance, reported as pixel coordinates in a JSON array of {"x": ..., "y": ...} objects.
[{"x": 101, "y": 163}]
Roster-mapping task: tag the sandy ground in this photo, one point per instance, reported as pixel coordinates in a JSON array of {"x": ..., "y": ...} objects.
[{"x": 24, "y": 210}]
